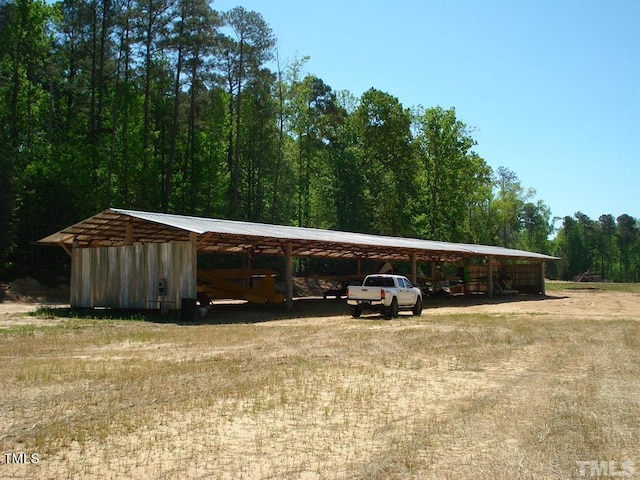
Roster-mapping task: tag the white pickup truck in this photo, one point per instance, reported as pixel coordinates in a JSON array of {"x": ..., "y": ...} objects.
[{"x": 386, "y": 294}]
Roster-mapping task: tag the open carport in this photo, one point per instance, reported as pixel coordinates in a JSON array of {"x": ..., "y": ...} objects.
[{"x": 133, "y": 259}]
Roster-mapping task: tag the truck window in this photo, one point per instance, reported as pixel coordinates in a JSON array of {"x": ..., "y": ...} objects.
[{"x": 379, "y": 282}]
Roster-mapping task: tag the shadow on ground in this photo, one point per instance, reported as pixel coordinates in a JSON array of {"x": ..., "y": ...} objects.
[{"x": 239, "y": 313}]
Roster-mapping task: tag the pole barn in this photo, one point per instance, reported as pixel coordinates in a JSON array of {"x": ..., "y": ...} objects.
[{"x": 144, "y": 260}]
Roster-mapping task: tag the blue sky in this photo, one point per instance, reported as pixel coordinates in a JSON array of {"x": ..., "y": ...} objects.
[{"x": 552, "y": 88}]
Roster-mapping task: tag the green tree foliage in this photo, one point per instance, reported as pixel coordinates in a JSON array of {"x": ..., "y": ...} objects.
[
  {"x": 536, "y": 227},
  {"x": 312, "y": 112},
  {"x": 244, "y": 52},
  {"x": 171, "y": 105},
  {"x": 455, "y": 178},
  {"x": 606, "y": 229},
  {"x": 608, "y": 247},
  {"x": 390, "y": 169},
  {"x": 25, "y": 49},
  {"x": 509, "y": 204},
  {"x": 627, "y": 236}
]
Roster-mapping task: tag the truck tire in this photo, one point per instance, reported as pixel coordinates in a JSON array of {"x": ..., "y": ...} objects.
[
  {"x": 417, "y": 308},
  {"x": 392, "y": 311},
  {"x": 356, "y": 312}
]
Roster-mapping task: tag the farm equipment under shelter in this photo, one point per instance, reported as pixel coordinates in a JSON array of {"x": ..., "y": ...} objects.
[{"x": 254, "y": 285}]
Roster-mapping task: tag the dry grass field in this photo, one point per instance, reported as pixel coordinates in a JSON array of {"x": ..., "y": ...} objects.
[{"x": 529, "y": 389}]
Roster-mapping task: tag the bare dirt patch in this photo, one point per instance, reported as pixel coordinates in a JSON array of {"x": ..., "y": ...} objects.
[
  {"x": 471, "y": 389},
  {"x": 19, "y": 299},
  {"x": 29, "y": 291},
  {"x": 575, "y": 303}
]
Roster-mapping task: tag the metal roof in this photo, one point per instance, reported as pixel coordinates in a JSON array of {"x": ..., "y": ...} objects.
[{"x": 118, "y": 227}]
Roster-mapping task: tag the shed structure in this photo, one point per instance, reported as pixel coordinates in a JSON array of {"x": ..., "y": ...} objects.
[{"x": 133, "y": 259}]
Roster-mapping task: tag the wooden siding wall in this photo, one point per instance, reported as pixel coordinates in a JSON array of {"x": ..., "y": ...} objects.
[
  {"x": 478, "y": 275},
  {"x": 523, "y": 277},
  {"x": 128, "y": 276}
]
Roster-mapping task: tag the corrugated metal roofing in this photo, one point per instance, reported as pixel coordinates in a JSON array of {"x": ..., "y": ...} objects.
[{"x": 117, "y": 227}]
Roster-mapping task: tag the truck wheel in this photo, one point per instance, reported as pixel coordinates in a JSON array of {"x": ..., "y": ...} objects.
[
  {"x": 356, "y": 312},
  {"x": 417, "y": 308},
  {"x": 392, "y": 311}
]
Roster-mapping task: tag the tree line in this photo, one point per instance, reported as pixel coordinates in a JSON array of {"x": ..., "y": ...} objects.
[
  {"x": 171, "y": 105},
  {"x": 608, "y": 246}
]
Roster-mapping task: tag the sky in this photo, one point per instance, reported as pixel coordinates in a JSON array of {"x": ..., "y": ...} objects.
[{"x": 550, "y": 88}]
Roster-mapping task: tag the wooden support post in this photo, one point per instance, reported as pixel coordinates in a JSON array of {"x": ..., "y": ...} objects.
[
  {"x": 414, "y": 268},
  {"x": 465, "y": 284},
  {"x": 128, "y": 234},
  {"x": 490, "y": 276},
  {"x": 193, "y": 238},
  {"x": 250, "y": 258},
  {"x": 289, "y": 276},
  {"x": 543, "y": 288}
]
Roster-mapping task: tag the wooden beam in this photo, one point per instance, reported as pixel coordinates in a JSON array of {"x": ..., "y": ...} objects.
[
  {"x": 289, "y": 276},
  {"x": 203, "y": 240},
  {"x": 250, "y": 256},
  {"x": 465, "y": 275},
  {"x": 128, "y": 232},
  {"x": 65, "y": 248},
  {"x": 414, "y": 268},
  {"x": 193, "y": 238},
  {"x": 490, "y": 275}
]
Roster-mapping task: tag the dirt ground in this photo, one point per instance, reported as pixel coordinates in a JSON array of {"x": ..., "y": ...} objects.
[
  {"x": 515, "y": 387},
  {"x": 27, "y": 295},
  {"x": 587, "y": 302}
]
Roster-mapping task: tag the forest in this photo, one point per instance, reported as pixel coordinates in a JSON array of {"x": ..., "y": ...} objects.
[{"x": 172, "y": 106}]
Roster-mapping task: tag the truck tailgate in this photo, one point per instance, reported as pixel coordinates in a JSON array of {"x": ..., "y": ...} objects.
[{"x": 364, "y": 293}]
